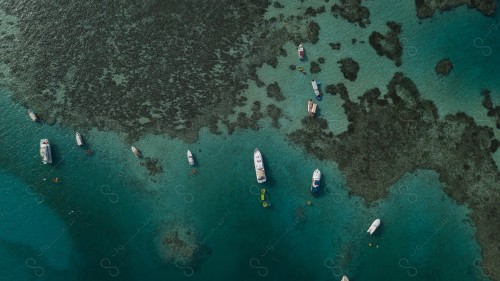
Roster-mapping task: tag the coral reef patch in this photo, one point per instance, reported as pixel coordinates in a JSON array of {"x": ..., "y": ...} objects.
[
  {"x": 352, "y": 11},
  {"x": 427, "y": 8},
  {"x": 400, "y": 132},
  {"x": 389, "y": 44}
]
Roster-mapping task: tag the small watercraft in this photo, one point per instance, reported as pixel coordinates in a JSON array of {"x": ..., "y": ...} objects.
[
  {"x": 300, "y": 51},
  {"x": 32, "y": 115},
  {"x": 311, "y": 108},
  {"x": 315, "y": 182},
  {"x": 136, "y": 152},
  {"x": 316, "y": 89},
  {"x": 190, "y": 158},
  {"x": 374, "y": 226},
  {"x": 79, "y": 140},
  {"x": 259, "y": 166},
  {"x": 345, "y": 278},
  {"x": 45, "y": 151}
]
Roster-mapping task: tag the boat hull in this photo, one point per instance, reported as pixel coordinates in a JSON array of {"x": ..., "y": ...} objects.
[
  {"x": 316, "y": 89},
  {"x": 45, "y": 151},
  {"x": 32, "y": 115},
  {"x": 300, "y": 52},
  {"x": 79, "y": 140},
  {"x": 136, "y": 152},
  {"x": 259, "y": 166},
  {"x": 190, "y": 158},
  {"x": 374, "y": 226},
  {"x": 316, "y": 179}
]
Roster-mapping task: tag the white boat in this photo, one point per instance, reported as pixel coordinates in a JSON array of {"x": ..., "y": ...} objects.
[
  {"x": 316, "y": 89},
  {"x": 136, "y": 152},
  {"x": 300, "y": 52},
  {"x": 45, "y": 151},
  {"x": 315, "y": 182},
  {"x": 79, "y": 139},
  {"x": 190, "y": 158},
  {"x": 32, "y": 115},
  {"x": 345, "y": 278},
  {"x": 311, "y": 108},
  {"x": 374, "y": 226},
  {"x": 259, "y": 166}
]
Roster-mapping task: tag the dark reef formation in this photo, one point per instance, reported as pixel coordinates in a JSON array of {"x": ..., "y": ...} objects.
[
  {"x": 388, "y": 45},
  {"x": 278, "y": 5},
  {"x": 315, "y": 68},
  {"x": 427, "y": 8},
  {"x": 353, "y": 11},
  {"x": 349, "y": 68},
  {"x": 493, "y": 111},
  {"x": 275, "y": 113},
  {"x": 153, "y": 165},
  {"x": 335, "y": 46},
  {"x": 398, "y": 133},
  {"x": 274, "y": 91},
  {"x": 443, "y": 67},
  {"x": 313, "y": 32},
  {"x": 310, "y": 11},
  {"x": 330, "y": 89},
  {"x": 154, "y": 67}
]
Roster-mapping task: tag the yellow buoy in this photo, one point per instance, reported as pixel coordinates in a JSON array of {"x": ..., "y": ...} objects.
[
  {"x": 264, "y": 204},
  {"x": 309, "y": 203},
  {"x": 262, "y": 197},
  {"x": 263, "y": 190}
]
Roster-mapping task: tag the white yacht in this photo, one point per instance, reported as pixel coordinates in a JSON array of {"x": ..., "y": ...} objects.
[
  {"x": 190, "y": 158},
  {"x": 259, "y": 166},
  {"x": 32, "y": 115},
  {"x": 315, "y": 182},
  {"x": 300, "y": 51},
  {"x": 45, "y": 151},
  {"x": 374, "y": 226},
  {"x": 316, "y": 89},
  {"x": 136, "y": 152},
  {"x": 79, "y": 139},
  {"x": 345, "y": 278}
]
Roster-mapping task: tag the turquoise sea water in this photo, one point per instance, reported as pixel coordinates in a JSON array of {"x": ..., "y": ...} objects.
[{"x": 102, "y": 220}]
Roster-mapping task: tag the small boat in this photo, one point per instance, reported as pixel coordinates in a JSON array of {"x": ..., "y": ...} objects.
[
  {"x": 190, "y": 158},
  {"x": 32, "y": 115},
  {"x": 300, "y": 51},
  {"x": 345, "y": 278},
  {"x": 316, "y": 90},
  {"x": 259, "y": 166},
  {"x": 45, "y": 151},
  {"x": 315, "y": 182},
  {"x": 79, "y": 140},
  {"x": 136, "y": 152},
  {"x": 374, "y": 226},
  {"x": 311, "y": 108}
]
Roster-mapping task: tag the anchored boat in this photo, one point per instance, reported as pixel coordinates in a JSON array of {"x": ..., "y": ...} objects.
[
  {"x": 79, "y": 140},
  {"x": 45, "y": 151},
  {"x": 136, "y": 152},
  {"x": 315, "y": 182},
  {"x": 316, "y": 89},
  {"x": 259, "y": 166},
  {"x": 32, "y": 115},
  {"x": 300, "y": 51},
  {"x": 374, "y": 226},
  {"x": 345, "y": 278},
  {"x": 311, "y": 108},
  {"x": 190, "y": 158}
]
